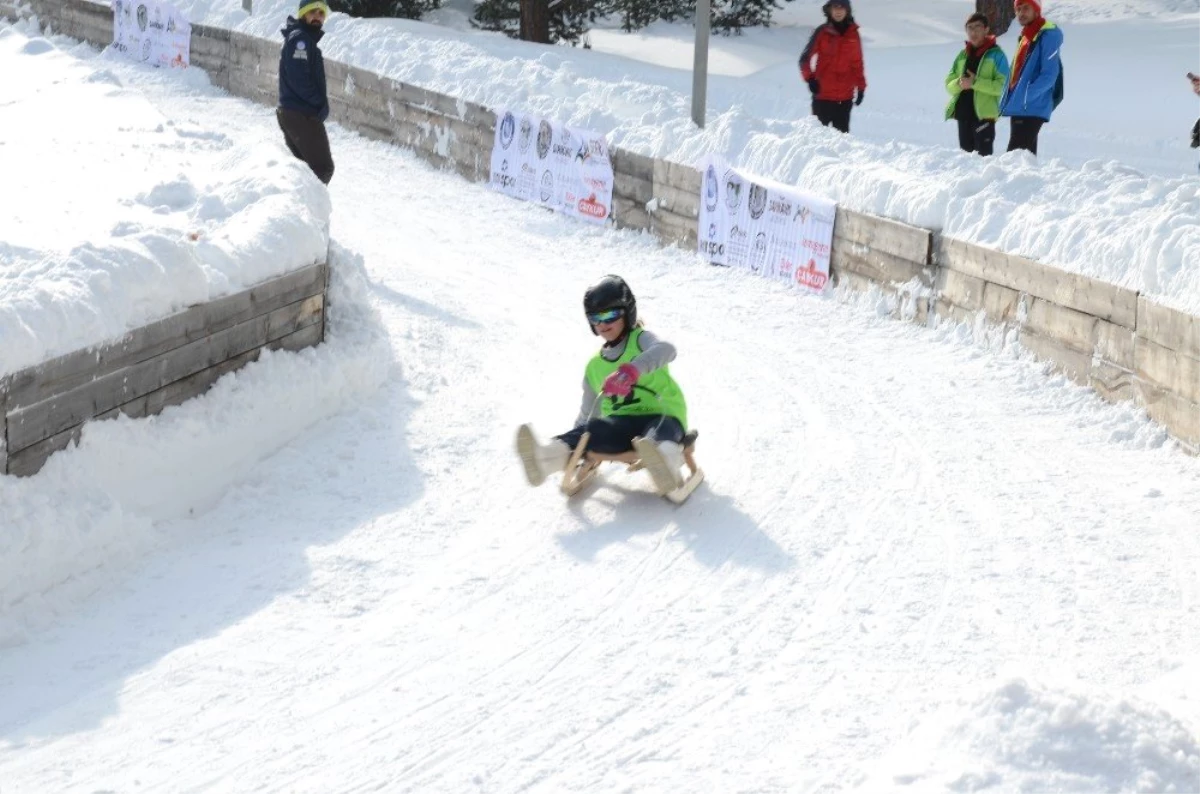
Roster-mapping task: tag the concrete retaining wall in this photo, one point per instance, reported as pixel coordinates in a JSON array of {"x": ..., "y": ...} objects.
[{"x": 1120, "y": 343}]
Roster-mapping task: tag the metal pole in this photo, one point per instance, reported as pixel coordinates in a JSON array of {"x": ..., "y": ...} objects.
[{"x": 700, "y": 62}]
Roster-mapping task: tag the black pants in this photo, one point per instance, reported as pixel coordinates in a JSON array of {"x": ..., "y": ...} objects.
[
  {"x": 612, "y": 435},
  {"x": 829, "y": 112},
  {"x": 975, "y": 134},
  {"x": 1024, "y": 133},
  {"x": 306, "y": 139}
]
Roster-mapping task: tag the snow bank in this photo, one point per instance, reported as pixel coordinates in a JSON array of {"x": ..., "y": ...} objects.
[
  {"x": 70, "y": 530},
  {"x": 135, "y": 217},
  {"x": 131, "y": 218},
  {"x": 1024, "y": 736}
]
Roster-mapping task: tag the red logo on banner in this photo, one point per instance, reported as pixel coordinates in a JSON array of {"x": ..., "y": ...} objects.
[
  {"x": 809, "y": 276},
  {"x": 589, "y": 206}
]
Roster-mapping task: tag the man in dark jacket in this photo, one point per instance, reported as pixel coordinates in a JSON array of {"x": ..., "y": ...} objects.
[
  {"x": 838, "y": 82},
  {"x": 303, "y": 102}
]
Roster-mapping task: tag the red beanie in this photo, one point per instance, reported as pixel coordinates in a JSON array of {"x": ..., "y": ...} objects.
[{"x": 1036, "y": 5}]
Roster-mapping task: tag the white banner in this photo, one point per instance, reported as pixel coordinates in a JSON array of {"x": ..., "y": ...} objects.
[
  {"x": 151, "y": 32},
  {"x": 539, "y": 160},
  {"x": 775, "y": 230}
]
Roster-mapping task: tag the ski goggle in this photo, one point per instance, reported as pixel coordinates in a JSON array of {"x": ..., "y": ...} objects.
[{"x": 608, "y": 316}]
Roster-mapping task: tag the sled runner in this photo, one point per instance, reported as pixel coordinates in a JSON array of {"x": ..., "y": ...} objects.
[{"x": 582, "y": 466}]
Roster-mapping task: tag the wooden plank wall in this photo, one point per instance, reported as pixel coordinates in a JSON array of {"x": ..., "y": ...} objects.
[
  {"x": 43, "y": 408},
  {"x": 657, "y": 196},
  {"x": 1116, "y": 341}
]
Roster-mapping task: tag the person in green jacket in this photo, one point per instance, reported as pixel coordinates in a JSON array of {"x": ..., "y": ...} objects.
[
  {"x": 641, "y": 407},
  {"x": 975, "y": 84}
]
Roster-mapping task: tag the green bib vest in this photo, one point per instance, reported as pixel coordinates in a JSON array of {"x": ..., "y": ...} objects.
[{"x": 655, "y": 392}]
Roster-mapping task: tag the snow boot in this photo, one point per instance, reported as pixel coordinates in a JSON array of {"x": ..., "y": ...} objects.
[
  {"x": 663, "y": 460},
  {"x": 540, "y": 460}
]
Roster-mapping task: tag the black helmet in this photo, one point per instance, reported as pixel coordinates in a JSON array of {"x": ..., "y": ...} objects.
[{"x": 611, "y": 292}]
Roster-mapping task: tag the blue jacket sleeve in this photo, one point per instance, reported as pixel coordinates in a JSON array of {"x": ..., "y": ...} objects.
[{"x": 1049, "y": 47}]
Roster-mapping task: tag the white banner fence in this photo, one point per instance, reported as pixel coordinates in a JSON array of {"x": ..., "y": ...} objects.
[
  {"x": 151, "y": 32},
  {"x": 775, "y": 230},
  {"x": 566, "y": 169}
]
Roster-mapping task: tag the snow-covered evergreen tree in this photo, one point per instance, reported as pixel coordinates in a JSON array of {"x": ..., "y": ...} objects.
[
  {"x": 547, "y": 21},
  {"x": 404, "y": 9}
]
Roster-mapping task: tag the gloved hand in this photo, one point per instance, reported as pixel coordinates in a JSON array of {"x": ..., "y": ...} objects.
[
  {"x": 859, "y": 97},
  {"x": 620, "y": 383},
  {"x": 814, "y": 86}
]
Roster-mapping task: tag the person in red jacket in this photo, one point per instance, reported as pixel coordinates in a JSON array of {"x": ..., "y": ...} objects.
[{"x": 838, "y": 82}]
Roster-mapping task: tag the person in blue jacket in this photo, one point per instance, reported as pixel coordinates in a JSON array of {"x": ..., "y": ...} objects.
[
  {"x": 303, "y": 101},
  {"x": 1035, "y": 85}
]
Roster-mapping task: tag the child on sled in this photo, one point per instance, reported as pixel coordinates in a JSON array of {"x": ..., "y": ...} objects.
[{"x": 641, "y": 407}]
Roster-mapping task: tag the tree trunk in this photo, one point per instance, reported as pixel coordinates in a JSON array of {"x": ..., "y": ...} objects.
[
  {"x": 1000, "y": 13},
  {"x": 535, "y": 21}
]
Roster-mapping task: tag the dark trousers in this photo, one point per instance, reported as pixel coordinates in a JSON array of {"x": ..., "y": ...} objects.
[
  {"x": 1024, "y": 133},
  {"x": 975, "y": 134},
  {"x": 831, "y": 113},
  {"x": 612, "y": 435},
  {"x": 306, "y": 139}
]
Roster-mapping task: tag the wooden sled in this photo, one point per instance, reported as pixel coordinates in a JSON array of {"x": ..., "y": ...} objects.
[{"x": 582, "y": 467}]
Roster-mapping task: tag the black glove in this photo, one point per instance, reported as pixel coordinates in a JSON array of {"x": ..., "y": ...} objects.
[
  {"x": 858, "y": 99},
  {"x": 814, "y": 86},
  {"x": 1196, "y": 135}
]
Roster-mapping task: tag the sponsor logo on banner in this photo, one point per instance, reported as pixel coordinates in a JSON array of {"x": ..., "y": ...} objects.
[
  {"x": 526, "y": 135},
  {"x": 508, "y": 128},
  {"x": 758, "y": 201},
  {"x": 780, "y": 207},
  {"x": 733, "y": 191},
  {"x": 153, "y": 32},
  {"x": 759, "y": 256},
  {"x": 564, "y": 148},
  {"x": 592, "y": 208},
  {"x": 710, "y": 188},
  {"x": 712, "y": 246},
  {"x": 809, "y": 276},
  {"x": 591, "y": 150},
  {"x": 775, "y": 230},
  {"x": 504, "y": 179},
  {"x": 566, "y": 169},
  {"x": 818, "y": 248}
]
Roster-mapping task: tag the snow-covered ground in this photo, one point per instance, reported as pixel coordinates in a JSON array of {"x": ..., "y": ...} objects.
[
  {"x": 917, "y": 562},
  {"x": 139, "y": 217},
  {"x": 1114, "y": 195}
]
